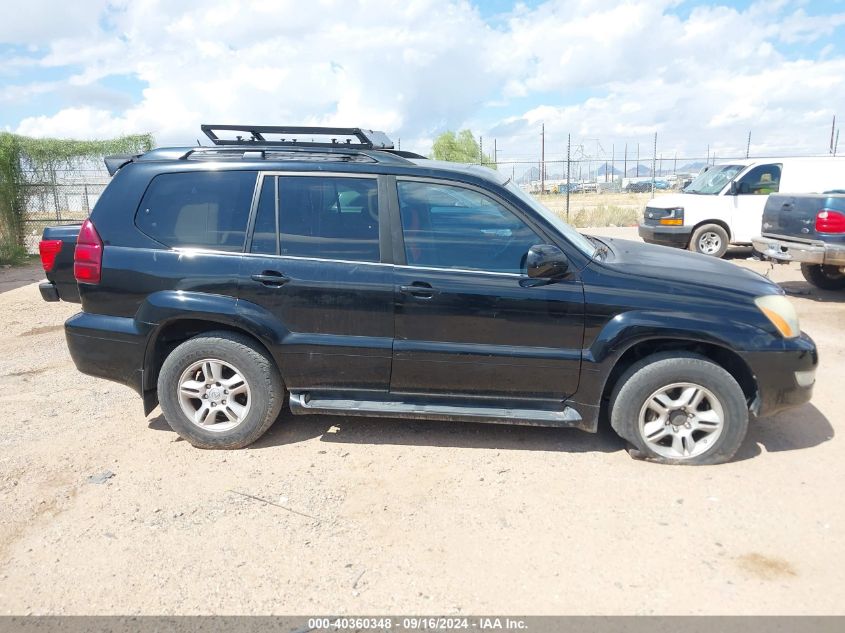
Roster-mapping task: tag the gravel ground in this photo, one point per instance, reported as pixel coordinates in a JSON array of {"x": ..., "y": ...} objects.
[{"x": 105, "y": 512}]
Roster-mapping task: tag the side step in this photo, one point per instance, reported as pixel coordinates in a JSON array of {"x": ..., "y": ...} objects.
[{"x": 301, "y": 403}]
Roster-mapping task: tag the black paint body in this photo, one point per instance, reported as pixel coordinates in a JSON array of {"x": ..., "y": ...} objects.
[{"x": 382, "y": 330}]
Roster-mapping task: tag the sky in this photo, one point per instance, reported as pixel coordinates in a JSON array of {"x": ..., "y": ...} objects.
[{"x": 699, "y": 74}]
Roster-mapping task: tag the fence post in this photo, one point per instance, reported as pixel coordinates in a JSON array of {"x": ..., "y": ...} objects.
[{"x": 85, "y": 195}]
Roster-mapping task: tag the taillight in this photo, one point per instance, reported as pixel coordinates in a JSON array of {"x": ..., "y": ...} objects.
[
  {"x": 828, "y": 221},
  {"x": 48, "y": 250},
  {"x": 88, "y": 256}
]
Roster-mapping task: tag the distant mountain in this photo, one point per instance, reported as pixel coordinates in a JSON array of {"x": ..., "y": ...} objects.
[{"x": 644, "y": 170}]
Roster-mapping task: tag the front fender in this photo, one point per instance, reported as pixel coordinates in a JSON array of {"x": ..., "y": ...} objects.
[{"x": 627, "y": 329}]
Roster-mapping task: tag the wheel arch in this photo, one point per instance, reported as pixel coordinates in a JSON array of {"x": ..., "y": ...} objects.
[
  {"x": 721, "y": 223},
  {"x": 726, "y": 358},
  {"x": 175, "y": 317}
]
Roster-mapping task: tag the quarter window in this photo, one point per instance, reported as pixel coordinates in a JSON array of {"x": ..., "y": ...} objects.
[
  {"x": 207, "y": 209},
  {"x": 453, "y": 227}
]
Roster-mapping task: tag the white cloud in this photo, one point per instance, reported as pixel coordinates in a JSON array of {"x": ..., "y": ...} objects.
[{"x": 623, "y": 70}]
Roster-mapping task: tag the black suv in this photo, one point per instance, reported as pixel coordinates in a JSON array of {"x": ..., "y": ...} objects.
[{"x": 355, "y": 279}]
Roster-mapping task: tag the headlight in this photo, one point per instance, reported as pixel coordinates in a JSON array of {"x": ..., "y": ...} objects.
[
  {"x": 779, "y": 310},
  {"x": 673, "y": 217}
]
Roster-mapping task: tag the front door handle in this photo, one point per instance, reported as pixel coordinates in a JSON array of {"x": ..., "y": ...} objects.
[
  {"x": 271, "y": 278},
  {"x": 419, "y": 289}
]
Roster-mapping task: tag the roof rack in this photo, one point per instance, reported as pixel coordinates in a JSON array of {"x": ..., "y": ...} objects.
[{"x": 341, "y": 137}]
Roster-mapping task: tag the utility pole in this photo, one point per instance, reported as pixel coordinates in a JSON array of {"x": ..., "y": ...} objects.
[
  {"x": 613, "y": 163},
  {"x": 832, "y": 128},
  {"x": 638, "y": 160},
  {"x": 568, "y": 147},
  {"x": 675, "y": 165},
  {"x": 495, "y": 154},
  {"x": 400, "y": 145},
  {"x": 748, "y": 145},
  {"x": 543, "y": 158},
  {"x": 708, "y": 154},
  {"x": 625, "y": 163},
  {"x": 480, "y": 150},
  {"x": 653, "y": 163},
  {"x": 836, "y": 143}
]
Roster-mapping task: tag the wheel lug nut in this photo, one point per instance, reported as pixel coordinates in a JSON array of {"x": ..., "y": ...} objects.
[
  {"x": 222, "y": 402},
  {"x": 205, "y": 395},
  {"x": 225, "y": 391},
  {"x": 213, "y": 404}
]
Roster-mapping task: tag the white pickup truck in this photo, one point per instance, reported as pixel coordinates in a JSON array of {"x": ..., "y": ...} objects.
[{"x": 724, "y": 204}]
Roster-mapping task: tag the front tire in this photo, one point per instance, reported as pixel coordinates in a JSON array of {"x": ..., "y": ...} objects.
[
  {"x": 824, "y": 277},
  {"x": 680, "y": 408},
  {"x": 220, "y": 390},
  {"x": 710, "y": 239}
]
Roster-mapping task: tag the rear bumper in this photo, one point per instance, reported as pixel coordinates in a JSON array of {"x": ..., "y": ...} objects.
[
  {"x": 107, "y": 347},
  {"x": 785, "y": 250},
  {"x": 785, "y": 378},
  {"x": 48, "y": 290},
  {"x": 677, "y": 236}
]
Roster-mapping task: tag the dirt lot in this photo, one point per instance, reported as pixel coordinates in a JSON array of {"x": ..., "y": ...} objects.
[{"x": 104, "y": 511}]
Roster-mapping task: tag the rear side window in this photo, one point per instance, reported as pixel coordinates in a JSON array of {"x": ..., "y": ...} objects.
[
  {"x": 324, "y": 217},
  {"x": 206, "y": 209}
]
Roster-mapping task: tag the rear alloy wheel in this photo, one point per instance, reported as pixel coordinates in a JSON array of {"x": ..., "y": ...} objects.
[
  {"x": 214, "y": 395},
  {"x": 710, "y": 239},
  {"x": 679, "y": 408},
  {"x": 220, "y": 390},
  {"x": 824, "y": 277}
]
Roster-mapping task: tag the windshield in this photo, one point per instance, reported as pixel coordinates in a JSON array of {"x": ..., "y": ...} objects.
[
  {"x": 579, "y": 241},
  {"x": 714, "y": 179}
]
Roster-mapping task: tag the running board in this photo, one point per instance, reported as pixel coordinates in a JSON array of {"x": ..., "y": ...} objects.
[{"x": 301, "y": 403}]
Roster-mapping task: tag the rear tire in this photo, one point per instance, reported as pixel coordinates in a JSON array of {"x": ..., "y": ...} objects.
[
  {"x": 679, "y": 408},
  {"x": 710, "y": 239},
  {"x": 220, "y": 390},
  {"x": 824, "y": 277}
]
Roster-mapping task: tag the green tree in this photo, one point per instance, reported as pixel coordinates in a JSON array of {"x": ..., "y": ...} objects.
[{"x": 460, "y": 148}]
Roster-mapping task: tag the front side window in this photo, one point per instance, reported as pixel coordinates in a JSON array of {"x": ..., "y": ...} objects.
[
  {"x": 713, "y": 179},
  {"x": 327, "y": 217},
  {"x": 445, "y": 226},
  {"x": 761, "y": 180},
  {"x": 202, "y": 209}
]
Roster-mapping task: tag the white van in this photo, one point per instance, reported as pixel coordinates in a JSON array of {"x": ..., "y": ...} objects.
[{"x": 724, "y": 204}]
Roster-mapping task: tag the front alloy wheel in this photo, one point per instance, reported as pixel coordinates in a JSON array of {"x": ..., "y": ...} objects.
[
  {"x": 677, "y": 407},
  {"x": 681, "y": 420}
]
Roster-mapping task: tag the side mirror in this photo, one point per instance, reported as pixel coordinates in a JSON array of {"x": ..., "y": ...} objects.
[
  {"x": 734, "y": 189},
  {"x": 545, "y": 261}
]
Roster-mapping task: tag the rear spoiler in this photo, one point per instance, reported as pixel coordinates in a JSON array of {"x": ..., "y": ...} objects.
[{"x": 116, "y": 161}]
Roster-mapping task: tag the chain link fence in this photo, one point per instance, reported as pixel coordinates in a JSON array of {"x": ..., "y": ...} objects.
[{"x": 58, "y": 197}]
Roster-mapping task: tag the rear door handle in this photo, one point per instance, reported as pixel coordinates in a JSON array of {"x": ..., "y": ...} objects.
[
  {"x": 419, "y": 289},
  {"x": 271, "y": 278}
]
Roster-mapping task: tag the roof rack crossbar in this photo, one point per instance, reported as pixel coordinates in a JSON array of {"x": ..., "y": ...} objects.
[{"x": 367, "y": 139}]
